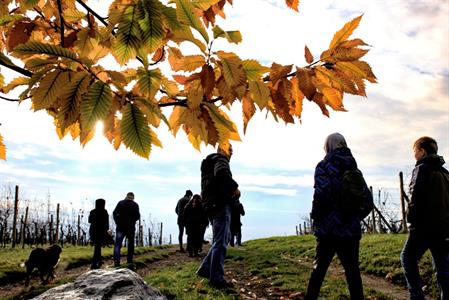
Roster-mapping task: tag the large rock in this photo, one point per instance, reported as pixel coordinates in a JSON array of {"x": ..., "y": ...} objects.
[{"x": 104, "y": 284}]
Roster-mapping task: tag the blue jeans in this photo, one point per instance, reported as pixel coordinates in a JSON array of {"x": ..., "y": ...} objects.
[
  {"x": 414, "y": 249},
  {"x": 120, "y": 236},
  {"x": 213, "y": 263}
]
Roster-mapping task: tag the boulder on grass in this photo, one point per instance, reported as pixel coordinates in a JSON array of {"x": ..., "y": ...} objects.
[{"x": 104, "y": 284}]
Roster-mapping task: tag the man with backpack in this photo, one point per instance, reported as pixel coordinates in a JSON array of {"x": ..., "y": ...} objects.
[
  {"x": 427, "y": 218},
  {"x": 218, "y": 191},
  {"x": 180, "y": 206},
  {"x": 341, "y": 201}
]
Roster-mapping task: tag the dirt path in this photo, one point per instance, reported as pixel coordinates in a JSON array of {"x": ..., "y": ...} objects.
[{"x": 247, "y": 285}]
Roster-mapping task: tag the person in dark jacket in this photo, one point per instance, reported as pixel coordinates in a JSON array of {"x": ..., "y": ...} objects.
[
  {"x": 180, "y": 212},
  {"x": 194, "y": 218},
  {"x": 99, "y": 226},
  {"x": 126, "y": 213},
  {"x": 336, "y": 232},
  {"x": 427, "y": 218},
  {"x": 218, "y": 189},
  {"x": 236, "y": 224}
]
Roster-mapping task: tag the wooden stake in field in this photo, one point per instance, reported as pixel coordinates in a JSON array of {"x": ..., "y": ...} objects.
[
  {"x": 160, "y": 235},
  {"x": 373, "y": 216},
  {"x": 57, "y": 224},
  {"x": 402, "y": 193},
  {"x": 14, "y": 221},
  {"x": 25, "y": 224}
]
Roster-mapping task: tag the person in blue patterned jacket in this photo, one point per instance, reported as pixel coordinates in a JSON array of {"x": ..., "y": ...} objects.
[{"x": 336, "y": 232}]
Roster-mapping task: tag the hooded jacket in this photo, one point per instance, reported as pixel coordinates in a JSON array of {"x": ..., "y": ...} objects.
[
  {"x": 217, "y": 184},
  {"x": 327, "y": 220},
  {"x": 428, "y": 210},
  {"x": 99, "y": 221}
]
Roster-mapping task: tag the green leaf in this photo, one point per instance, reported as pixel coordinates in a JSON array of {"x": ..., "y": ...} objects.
[
  {"x": 184, "y": 10},
  {"x": 260, "y": 93},
  {"x": 6, "y": 19},
  {"x": 128, "y": 39},
  {"x": 151, "y": 26},
  {"x": 185, "y": 34},
  {"x": 36, "y": 64},
  {"x": 5, "y": 60},
  {"x": 218, "y": 118},
  {"x": 31, "y": 48},
  {"x": 96, "y": 105},
  {"x": 254, "y": 70},
  {"x": 148, "y": 82},
  {"x": 50, "y": 87},
  {"x": 170, "y": 18},
  {"x": 232, "y": 69},
  {"x": 27, "y": 4},
  {"x": 71, "y": 98},
  {"x": 152, "y": 112},
  {"x": 232, "y": 36},
  {"x": 134, "y": 131},
  {"x": 73, "y": 15}
]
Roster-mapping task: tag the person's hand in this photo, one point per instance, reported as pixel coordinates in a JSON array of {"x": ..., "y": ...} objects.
[{"x": 237, "y": 194}]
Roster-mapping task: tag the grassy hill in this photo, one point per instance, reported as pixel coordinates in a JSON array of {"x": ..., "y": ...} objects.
[
  {"x": 268, "y": 268},
  {"x": 281, "y": 266}
]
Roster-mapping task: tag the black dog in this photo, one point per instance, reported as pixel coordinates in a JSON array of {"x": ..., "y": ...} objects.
[{"x": 45, "y": 260}]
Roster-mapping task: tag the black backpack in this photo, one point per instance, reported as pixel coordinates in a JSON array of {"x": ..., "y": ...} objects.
[{"x": 355, "y": 196}]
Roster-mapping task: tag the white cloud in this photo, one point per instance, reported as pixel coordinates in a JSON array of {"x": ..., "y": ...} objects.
[{"x": 270, "y": 191}]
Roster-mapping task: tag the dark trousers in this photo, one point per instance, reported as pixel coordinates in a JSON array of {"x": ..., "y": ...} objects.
[
  {"x": 181, "y": 233},
  {"x": 194, "y": 239},
  {"x": 414, "y": 248},
  {"x": 236, "y": 235},
  {"x": 347, "y": 250},
  {"x": 96, "y": 259}
]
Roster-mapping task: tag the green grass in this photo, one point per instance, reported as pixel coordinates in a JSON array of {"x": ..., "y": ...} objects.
[
  {"x": 71, "y": 257},
  {"x": 286, "y": 262}
]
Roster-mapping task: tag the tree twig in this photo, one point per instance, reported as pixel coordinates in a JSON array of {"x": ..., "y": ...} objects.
[
  {"x": 101, "y": 19},
  {"x": 61, "y": 22},
  {"x": 17, "y": 69},
  {"x": 9, "y": 99},
  {"x": 52, "y": 25}
]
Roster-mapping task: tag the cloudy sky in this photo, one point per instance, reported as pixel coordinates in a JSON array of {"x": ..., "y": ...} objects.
[{"x": 274, "y": 163}]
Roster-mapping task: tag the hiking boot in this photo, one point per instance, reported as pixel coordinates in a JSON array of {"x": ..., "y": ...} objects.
[
  {"x": 202, "y": 273},
  {"x": 221, "y": 285},
  {"x": 116, "y": 264}
]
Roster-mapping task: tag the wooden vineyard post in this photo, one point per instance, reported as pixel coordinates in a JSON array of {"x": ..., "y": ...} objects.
[
  {"x": 402, "y": 196},
  {"x": 14, "y": 221}
]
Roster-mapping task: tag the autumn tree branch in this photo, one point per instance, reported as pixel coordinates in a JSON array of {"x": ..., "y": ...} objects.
[{"x": 17, "y": 69}]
